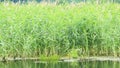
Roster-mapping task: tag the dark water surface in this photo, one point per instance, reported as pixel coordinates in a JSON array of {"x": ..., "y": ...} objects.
[{"x": 80, "y": 64}]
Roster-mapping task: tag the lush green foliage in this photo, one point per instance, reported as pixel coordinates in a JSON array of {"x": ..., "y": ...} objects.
[
  {"x": 37, "y": 29},
  {"x": 50, "y": 58}
]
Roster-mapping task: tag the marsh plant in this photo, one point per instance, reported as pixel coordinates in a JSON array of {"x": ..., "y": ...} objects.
[
  {"x": 36, "y": 29},
  {"x": 49, "y": 58}
]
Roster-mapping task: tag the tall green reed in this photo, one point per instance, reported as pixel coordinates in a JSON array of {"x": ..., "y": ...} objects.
[{"x": 37, "y": 29}]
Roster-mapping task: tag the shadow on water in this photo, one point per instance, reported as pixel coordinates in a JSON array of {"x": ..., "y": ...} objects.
[{"x": 60, "y": 64}]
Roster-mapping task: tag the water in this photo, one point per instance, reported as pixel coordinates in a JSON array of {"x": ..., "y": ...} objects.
[{"x": 80, "y": 64}]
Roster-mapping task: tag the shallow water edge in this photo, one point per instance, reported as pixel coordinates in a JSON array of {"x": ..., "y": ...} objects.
[{"x": 67, "y": 59}]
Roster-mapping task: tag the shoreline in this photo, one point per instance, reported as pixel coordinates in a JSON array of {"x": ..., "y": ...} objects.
[{"x": 67, "y": 59}]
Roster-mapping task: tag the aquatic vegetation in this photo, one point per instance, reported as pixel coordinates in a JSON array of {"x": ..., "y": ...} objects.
[
  {"x": 50, "y": 58},
  {"x": 74, "y": 53},
  {"x": 46, "y": 29}
]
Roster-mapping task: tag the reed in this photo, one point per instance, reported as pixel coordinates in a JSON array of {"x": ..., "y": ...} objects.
[{"x": 46, "y": 29}]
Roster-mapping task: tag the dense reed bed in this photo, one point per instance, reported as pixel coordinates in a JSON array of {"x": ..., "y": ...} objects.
[{"x": 48, "y": 29}]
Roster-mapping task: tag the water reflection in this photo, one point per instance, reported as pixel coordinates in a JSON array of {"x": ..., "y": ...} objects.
[{"x": 81, "y": 64}]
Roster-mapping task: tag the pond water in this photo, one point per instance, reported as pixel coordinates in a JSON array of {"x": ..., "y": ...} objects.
[{"x": 80, "y": 64}]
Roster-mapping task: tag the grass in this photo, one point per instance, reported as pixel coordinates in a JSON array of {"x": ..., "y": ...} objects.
[
  {"x": 47, "y": 29},
  {"x": 49, "y": 58}
]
